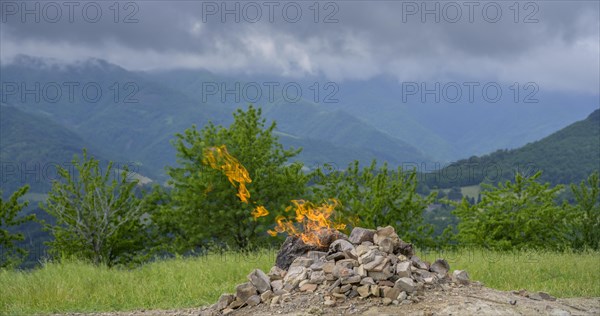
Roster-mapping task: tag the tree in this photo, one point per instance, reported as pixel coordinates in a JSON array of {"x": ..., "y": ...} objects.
[
  {"x": 97, "y": 219},
  {"x": 587, "y": 212},
  {"x": 372, "y": 197},
  {"x": 9, "y": 210},
  {"x": 455, "y": 193},
  {"x": 205, "y": 206},
  {"x": 518, "y": 215}
]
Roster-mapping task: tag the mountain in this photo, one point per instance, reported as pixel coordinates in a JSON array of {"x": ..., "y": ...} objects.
[
  {"x": 32, "y": 146},
  {"x": 566, "y": 156}
]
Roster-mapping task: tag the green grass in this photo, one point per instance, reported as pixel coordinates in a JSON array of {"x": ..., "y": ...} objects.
[
  {"x": 559, "y": 274},
  {"x": 81, "y": 287},
  {"x": 192, "y": 282}
]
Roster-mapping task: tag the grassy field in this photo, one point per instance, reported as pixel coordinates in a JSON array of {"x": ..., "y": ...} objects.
[{"x": 192, "y": 282}]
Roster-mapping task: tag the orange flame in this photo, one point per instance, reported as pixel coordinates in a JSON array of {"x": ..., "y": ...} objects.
[
  {"x": 314, "y": 220},
  {"x": 219, "y": 158}
]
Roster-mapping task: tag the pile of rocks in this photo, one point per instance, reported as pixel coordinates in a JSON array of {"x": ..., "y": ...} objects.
[{"x": 369, "y": 263}]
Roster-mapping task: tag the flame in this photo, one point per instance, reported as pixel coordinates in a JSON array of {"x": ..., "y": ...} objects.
[
  {"x": 219, "y": 158},
  {"x": 313, "y": 219},
  {"x": 259, "y": 211},
  {"x": 312, "y": 222}
]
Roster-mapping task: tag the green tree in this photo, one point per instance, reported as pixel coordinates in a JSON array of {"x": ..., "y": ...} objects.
[
  {"x": 204, "y": 205},
  {"x": 372, "y": 197},
  {"x": 97, "y": 219},
  {"x": 587, "y": 212},
  {"x": 10, "y": 255},
  {"x": 518, "y": 215}
]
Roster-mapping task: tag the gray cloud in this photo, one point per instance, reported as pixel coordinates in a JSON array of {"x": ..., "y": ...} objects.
[{"x": 560, "y": 51}]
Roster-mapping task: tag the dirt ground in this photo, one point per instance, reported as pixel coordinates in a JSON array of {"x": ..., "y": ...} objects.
[{"x": 457, "y": 300}]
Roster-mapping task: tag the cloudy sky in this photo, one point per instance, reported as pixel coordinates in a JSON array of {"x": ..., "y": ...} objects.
[{"x": 553, "y": 43}]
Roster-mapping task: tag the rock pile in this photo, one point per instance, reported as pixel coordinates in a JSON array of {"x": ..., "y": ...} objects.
[{"x": 369, "y": 263}]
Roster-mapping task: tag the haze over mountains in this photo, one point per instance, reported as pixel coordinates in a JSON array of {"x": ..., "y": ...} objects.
[{"x": 137, "y": 114}]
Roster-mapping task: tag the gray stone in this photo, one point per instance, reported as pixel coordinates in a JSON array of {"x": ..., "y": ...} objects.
[
  {"x": 237, "y": 303},
  {"x": 386, "y": 301},
  {"x": 302, "y": 262},
  {"x": 340, "y": 245},
  {"x": 244, "y": 291},
  {"x": 328, "y": 267},
  {"x": 266, "y": 296},
  {"x": 316, "y": 255},
  {"x": 360, "y": 235},
  {"x": 385, "y": 232},
  {"x": 405, "y": 284},
  {"x": 260, "y": 280},
  {"x": 277, "y": 285},
  {"x": 402, "y": 296},
  {"x": 383, "y": 265},
  {"x": 364, "y": 291},
  {"x": 308, "y": 287},
  {"x": 403, "y": 269},
  {"x": 317, "y": 277},
  {"x": 362, "y": 249},
  {"x": 367, "y": 257},
  {"x": 440, "y": 267},
  {"x": 295, "y": 275},
  {"x": 385, "y": 274},
  {"x": 253, "y": 300},
  {"x": 386, "y": 245},
  {"x": 276, "y": 273},
  {"x": 360, "y": 270},
  {"x": 391, "y": 292},
  {"x": 375, "y": 290},
  {"x": 372, "y": 264},
  {"x": 418, "y": 263},
  {"x": 336, "y": 256},
  {"x": 345, "y": 288},
  {"x": 367, "y": 281},
  {"x": 224, "y": 301},
  {"x": 347, "y": 263},
  {"x": 317, "y": 265},
  {"x": 351, "y": 279},
  {"x": 460, "y": 276},
  {"x": 342, "y": 272}
]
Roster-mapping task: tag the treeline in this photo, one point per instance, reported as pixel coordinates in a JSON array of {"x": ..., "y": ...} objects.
[{"x": 112, "y": 221}]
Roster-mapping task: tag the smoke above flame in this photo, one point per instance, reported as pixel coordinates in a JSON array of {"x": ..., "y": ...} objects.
[{"x": 310, "y": 221}]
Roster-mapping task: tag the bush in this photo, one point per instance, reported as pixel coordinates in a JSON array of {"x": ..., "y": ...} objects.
[{"x": 10, "y": 255}]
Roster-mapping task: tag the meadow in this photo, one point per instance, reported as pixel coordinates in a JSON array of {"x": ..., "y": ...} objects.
[{"x": 195, "y": 281}]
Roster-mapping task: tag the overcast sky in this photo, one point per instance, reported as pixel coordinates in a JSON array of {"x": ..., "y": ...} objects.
[{"x": 552, "y": 43}]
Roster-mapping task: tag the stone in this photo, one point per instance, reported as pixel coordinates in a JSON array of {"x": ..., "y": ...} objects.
[
  {"x": 385, "y": 274},
  {"x": 405, "y": 284},
  {"x": 374, "y": 290},
  {"x": 546, "y": 296},
  {"x": 360, "y": 270},
  {"x": 328, "y": 267},
  {"x": 460, "y": 277},
  {"x": 266, "y": 296},
  {"x": 364, "y": 290},
  {"x": 404, "y": 248},
  {"x": 308, "y": 287},
  {"x": 276, "y": 273},
  {"x": 275, "y": 300},
  {"x": 385, "y": 283},
  {"x": 295, "y": 275},
  {"x": 253, "y": 300},
  {"x": 391, "y": 292},
  {"x": 339, "y": 295},
  {"x": 353, "y": 293},
  {"x": 372, "y": 264},
  {"x": 277, "y": 285},
  {"x": 292, "y": 248},
  {"x": 383, "y": 265},
  {"x": 403, "y": 269},
  {"x": 385, "y": 232},
  {"x": 348, "y": 263},
  {"x": 386, "y": 245},
  {"x": 317, "y": 265},
  {"x": 260, "y": 280},
  {"x": 368, "y": 281},
  {"x": 244, "y": 291},
  {"x": 345, "y": 288},
  {"x": 418, "y": 263},
  {"x": 336, "y": 256},
  {"x": 341, "y": 245},
  {"x": 329, "y": 302},
  {"x": 362, "y": 249},
  {"x": 351, "y": 279},
  {"x": 367, "y": 257},
  {"x": 342, "y": 272},
  {"x": 236, "y": 303},
  {"x": 224, "y": 301},
  {"x": 440, "y": 267},
  {"x": 302, "y": 262},
  {"x": 227, "y": 311},
  {"x": 360, "y": 235},
  {"x": 386, "y": 301},
  {"x": 316, "y": 255},
  {"x": 402, "y": 296},
  {"x": 317, "y": 277}
]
